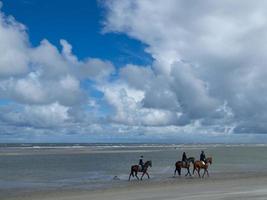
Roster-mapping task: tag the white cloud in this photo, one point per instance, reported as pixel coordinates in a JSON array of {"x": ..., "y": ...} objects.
[
  {"x": 37, "y": 116},
  {"x": 96, "y": 69},
  {"x": 14, "y": 57},
  {"x": 43, "y": 83},
  {"x": 207, "y": 76},
  {"x": 209, "y": 52},
  {"x": 129, "y": 109}
]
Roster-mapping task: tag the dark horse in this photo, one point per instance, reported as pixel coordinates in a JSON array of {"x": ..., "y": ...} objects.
[
  {"x": 136, "y": 168},
  {"x": 180, "y": 164},
  {"x": 201, "y": 165}
]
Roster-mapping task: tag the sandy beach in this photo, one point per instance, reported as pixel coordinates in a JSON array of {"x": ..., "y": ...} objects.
[
  {"x": 81, "y": 174},
  {"x": 231, "y": 186}
]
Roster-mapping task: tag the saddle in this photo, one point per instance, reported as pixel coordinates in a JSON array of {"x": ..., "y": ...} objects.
[
  {"x": 140, "y": 168},
  {"x": 184, "y": 164}
]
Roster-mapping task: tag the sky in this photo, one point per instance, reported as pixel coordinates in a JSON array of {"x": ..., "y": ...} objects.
[{"x": 175, "y": 71}]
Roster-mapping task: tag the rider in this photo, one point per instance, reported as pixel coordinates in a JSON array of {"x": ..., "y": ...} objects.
[
  {"x": 141, "y": 162},
  {"x": 203, "y": 157},
  {"x": 184, "y": 158}
]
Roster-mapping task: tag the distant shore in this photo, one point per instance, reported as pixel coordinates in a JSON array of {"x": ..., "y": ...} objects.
[{"x": 228, "y": 186}]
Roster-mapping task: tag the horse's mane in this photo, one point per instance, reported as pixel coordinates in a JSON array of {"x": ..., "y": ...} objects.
[{"x": 191, "y": 158}]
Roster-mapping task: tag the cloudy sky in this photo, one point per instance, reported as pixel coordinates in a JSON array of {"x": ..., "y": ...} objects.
[{"x": 133, "y": 71}]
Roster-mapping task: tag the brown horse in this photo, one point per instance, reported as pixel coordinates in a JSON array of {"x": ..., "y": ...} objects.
[
  {"x": 201, "y": 165},
  {"x": 136, "y": 168},
  {"x": 180, "y": 164}
]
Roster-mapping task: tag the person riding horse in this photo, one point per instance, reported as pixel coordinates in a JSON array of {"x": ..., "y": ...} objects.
[
  {"x": 136, "y": 168},
  {"x": 184, "y": 159},
  {"x": 203, "y": 157},
  {"x": 184, "y": 163},
  {"x": 141, "y": 162}
]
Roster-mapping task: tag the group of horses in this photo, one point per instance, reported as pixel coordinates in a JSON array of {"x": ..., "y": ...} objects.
[{"x": 197, "y": 166}]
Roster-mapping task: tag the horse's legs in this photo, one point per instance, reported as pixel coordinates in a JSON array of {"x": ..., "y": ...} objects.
[
  {"x": 147, "y": 175},
  {"x": 136, "y": 176},
  {"x": 131, "y": 174},
  {"x": 198, "y": 172},
  {"x": 142, "y": 175},
  {"x": 204, "y": 173},
  {"x": 188, "y": 172},
  {"x": 207, "y": 172},
  {"x": 179, "y": 171}
]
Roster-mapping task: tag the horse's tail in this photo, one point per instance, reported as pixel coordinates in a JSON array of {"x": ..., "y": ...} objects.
[
  {"x": 132, "y": 172},
  {"x": 179, "y": 171},
  {"x": 176, "y": 169},
  {"x": 194, "y": 169}
]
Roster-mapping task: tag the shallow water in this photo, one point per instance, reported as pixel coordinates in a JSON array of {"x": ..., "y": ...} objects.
[{"x": 95, "y": 165}]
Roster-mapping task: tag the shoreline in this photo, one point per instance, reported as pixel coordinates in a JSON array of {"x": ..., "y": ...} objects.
[{"x": 225, "y": 186}]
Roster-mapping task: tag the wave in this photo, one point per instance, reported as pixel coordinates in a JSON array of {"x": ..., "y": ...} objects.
[{"x": 122, "y": 146}]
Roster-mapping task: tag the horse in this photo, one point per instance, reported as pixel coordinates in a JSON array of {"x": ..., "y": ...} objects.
[
  {"x": 201, "y": 165},
  {"x": 180, "y": 164},
  {"x": 136, "y": 168}
]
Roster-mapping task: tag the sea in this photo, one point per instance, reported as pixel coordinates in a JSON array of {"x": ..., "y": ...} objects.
[{"x": 91, "y": 166}]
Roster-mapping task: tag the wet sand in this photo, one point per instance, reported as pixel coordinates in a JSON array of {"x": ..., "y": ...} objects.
[{"x": 225, "y": 187}]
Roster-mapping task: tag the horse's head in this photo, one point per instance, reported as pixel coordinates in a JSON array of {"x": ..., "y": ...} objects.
[
  {"x": 148, "y": 163},
  {"x": 209, "y": 160},
  {"x": 191, "y": 159}
]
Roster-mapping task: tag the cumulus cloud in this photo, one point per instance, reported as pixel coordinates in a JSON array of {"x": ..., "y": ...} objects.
[
  {"x": 209, "y": 53},
  {"x": 207, "y": 75},
  {"x": 129, "y": 108},
  {"x": 14, "y": 57},
  {"x": 37, "y": 116},
  {"x": 42, "y": 83}
]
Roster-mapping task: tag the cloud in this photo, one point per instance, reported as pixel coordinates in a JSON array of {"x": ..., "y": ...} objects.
[
  {"x": 129, "y": 109},
  {"x": 42, "y": 85},
  {"x": 208, "y": 52},
  {"x": 14, "y": 57},
  {"x": 207, "y": 77},
  {"x": 37, "y": 116}
]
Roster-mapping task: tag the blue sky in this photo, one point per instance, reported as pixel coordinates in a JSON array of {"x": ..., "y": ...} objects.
[
  {"x": 80, "y": 22},
  {"x": 133, "y": 71}
]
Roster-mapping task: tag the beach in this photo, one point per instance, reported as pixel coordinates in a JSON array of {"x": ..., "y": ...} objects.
[
  {"x": 243, "y": 187},
  {"x": 87, "y": 172}
]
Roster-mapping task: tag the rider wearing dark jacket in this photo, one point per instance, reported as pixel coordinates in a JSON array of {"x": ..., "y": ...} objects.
[
  {"x": 184, "y": 157},
  {"x": 203, "y": 157},
  {"x": 141, "y": 162}
]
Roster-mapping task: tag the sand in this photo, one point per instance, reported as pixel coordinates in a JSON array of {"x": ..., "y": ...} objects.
[{"x": 232, "y": 187}]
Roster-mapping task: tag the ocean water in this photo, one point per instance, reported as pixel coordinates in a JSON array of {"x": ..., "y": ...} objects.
[{"x": 35, "y": 166}]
